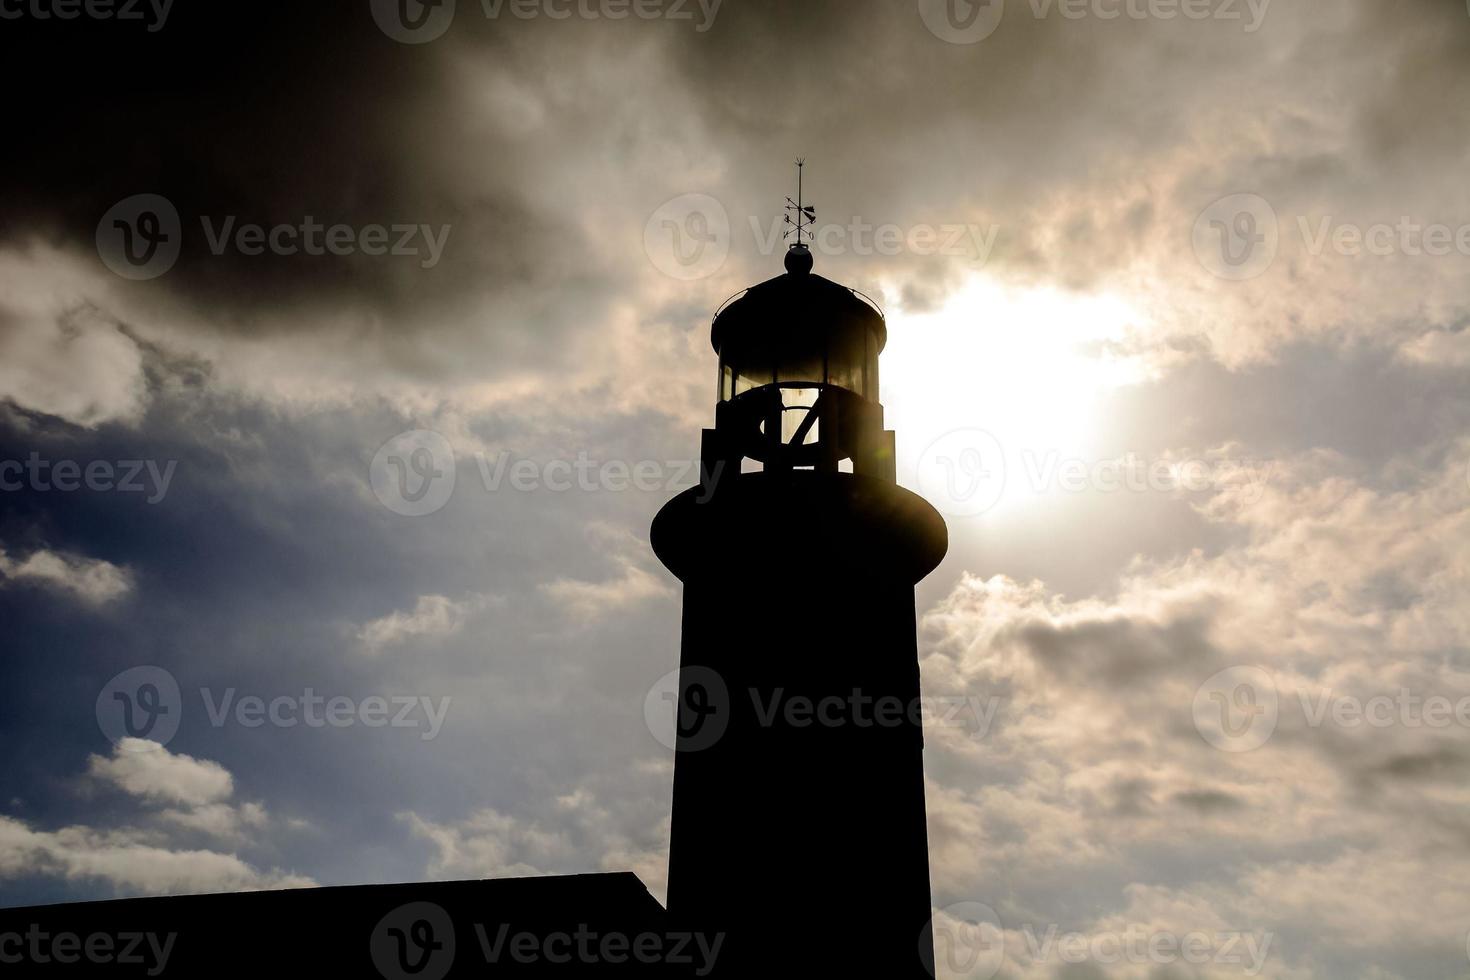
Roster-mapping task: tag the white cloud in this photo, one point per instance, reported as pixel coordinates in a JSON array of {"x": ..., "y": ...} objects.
[
  {"x": 488, "y": 844},
  {"x": 59, "y": 354},
  {"x": 129, "y": 861},
  {"x": 92, "y": 580},
  {"x": 584, "y": 828},
  {"x": 1094, "y": 799},
  {"x": 432, "y": 617},
  {"x": 144, "y": 860},
  {"x": 631, "y": 585},
  {"x": 151, "y": 772}
]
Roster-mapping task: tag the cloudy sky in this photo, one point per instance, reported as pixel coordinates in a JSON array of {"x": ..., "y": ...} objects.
[{"x": 1178, "y": 343}]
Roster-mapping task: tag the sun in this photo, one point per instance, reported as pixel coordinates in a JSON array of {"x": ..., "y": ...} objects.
[{"x": 998, "y": 380}]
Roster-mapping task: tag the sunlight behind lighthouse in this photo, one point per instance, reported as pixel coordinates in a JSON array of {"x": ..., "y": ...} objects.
[{"x": 996, "y": 379}]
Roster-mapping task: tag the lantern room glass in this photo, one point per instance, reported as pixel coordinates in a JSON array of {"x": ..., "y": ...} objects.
[{"x": 850, "y": 360}]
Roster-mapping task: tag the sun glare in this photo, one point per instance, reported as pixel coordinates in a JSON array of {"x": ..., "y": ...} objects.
[{"x": 997, "y": 379}]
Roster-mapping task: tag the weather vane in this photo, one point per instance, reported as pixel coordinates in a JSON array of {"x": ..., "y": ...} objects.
[{"x": 798, "y": 215}]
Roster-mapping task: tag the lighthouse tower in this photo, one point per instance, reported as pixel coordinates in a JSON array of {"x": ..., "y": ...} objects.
[{"x": 798, "y": 820}]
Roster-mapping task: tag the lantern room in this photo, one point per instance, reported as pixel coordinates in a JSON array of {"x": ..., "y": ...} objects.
[{"x": 798, "y": 377}]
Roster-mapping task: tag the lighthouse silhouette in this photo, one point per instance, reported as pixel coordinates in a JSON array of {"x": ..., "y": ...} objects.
[
  {"x": 799, "y": 845},
  {"x": 798, "y": 818}
]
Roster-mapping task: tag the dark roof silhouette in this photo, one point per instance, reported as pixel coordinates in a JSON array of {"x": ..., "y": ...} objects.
[{"x": 612, "y": 927}]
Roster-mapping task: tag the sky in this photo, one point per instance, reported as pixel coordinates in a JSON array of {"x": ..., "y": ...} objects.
[{"x": 345, "y": 359}]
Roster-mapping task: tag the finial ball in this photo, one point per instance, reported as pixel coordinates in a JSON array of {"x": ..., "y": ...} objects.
[{"x": 798, "y": 260}]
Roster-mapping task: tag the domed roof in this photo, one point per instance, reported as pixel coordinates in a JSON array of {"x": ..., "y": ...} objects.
[{"x": 796, "y": 301}]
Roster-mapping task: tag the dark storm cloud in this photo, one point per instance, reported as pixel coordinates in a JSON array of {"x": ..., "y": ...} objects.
[
  {"x": 270, "y": 114},
  {"x": 1120, "y": 653}
]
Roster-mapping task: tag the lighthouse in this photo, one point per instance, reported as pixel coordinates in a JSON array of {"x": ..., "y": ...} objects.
[{"x": 798, "y": 826}]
